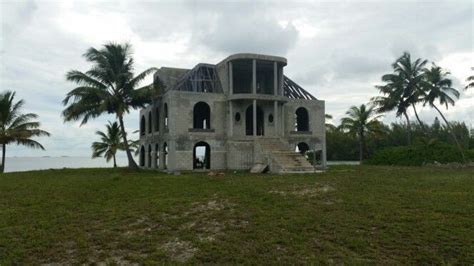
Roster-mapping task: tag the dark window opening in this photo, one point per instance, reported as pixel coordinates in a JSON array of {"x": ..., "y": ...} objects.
[
  {"x": 301, "y": 119},
  {"x": 150, "y": 153},
  {"x": 302, "y": 148},
  {"x": 249, "y": 121},
  {"x": 149, "y": 122},
  {"x": 202, "y": 156},
  {"x": 265, "y": 77},
  {"x": 237, "y": 117},
  {"x": 142, "y": 126},
  {"x": 202, "y": 116},
  {"x": 242, "y": 76},
  {"x": 157, "y": 119},
  {"x": 142, "y": 156},
  {"x": 166, "y": 115}
]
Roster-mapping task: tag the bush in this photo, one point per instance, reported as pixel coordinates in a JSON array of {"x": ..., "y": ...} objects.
[{"x": 418, "y": 155}]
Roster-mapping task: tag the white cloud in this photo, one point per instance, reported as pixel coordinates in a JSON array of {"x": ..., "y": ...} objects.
[{"x": 335, "y": 50}]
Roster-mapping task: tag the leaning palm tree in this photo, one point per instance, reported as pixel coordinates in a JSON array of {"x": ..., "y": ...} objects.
[
  {"x": 110, "y": 142},
  {"x": 470, "y": 81},
  {"x": 400, "y": 91},
  {"x": 393, "y": 99},
  {"x": 109, "y": 87},
  {"x": 437, "y": 87},
  {"x": 361, "y": 122},
  {"x": 16, "y": 127}
]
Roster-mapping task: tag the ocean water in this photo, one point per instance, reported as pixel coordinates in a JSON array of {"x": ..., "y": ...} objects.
[{"x": 19, "y": 164}]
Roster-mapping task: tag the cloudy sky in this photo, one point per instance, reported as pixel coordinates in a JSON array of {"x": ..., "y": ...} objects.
[{"x": 336, "y": 50}]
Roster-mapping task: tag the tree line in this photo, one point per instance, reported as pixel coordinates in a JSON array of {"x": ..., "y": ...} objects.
[{"x": 411, "y": 83}]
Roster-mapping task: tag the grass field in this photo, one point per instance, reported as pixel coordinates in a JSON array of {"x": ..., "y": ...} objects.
[{"x": 350, "y": 214}]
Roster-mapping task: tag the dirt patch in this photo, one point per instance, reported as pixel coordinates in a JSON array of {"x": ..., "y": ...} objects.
[
  {"x": 179, "y": 251},
  {"x": 316, "y": 190}
]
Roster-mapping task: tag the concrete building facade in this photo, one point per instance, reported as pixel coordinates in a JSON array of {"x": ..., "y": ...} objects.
[{"x": 235, "y": 114}]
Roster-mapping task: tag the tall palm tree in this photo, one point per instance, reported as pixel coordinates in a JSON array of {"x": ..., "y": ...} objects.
[
  {"x": 361, "y": 122},
  {"x": 110, "y": 142},
  {"x": 108, "y": 87},
  {"x": 412, "y": 76},
  {"x": 437, "y": 87},
  {"x": 17, "y": 127},
  {"x": 400, "y": 91}
]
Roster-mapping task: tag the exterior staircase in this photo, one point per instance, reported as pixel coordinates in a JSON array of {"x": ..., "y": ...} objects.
[{"x": 281, "y": 158}]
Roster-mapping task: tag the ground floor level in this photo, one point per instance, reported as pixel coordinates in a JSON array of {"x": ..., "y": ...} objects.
[{"x": 236, "y": 154}]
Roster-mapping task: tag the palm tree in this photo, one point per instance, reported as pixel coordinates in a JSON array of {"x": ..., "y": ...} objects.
[
  {"x": 108, "y": 87},
  {"x": 412, "y": 76},
  {"x": 470, "y": 81},
  {"x": 110, "y": 142},
  {"x": 393, "y": 100},
  {"x": 400, "y": 91},
  {"x": 329, "y": 127},
  {"x": 361, "y": 122},
  {"x": 17, "y": 127},
  {"x": 437, "y": 87}
]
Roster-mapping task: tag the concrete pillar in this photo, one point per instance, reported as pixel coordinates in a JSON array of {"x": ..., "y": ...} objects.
[
  {"x": 276, "y": 117},
  {"x": 323, "y": 155},
  {"x": 275, "y": 78},
  {"x": 231, "y": 120},
  {"x": 254, "y": 76},
  {"x": 254, "y": 117},
  {"x": 231, "y": 79}
]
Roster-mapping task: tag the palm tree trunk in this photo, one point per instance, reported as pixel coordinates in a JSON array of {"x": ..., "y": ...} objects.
[
  {"x": 452, "y": 133},
  {"x": 2, "y": 168},
  {"x": 408, "y": 128},
  {"x": 131, "y": 162},
  {"x": 361, "y": 147},
  {"x": 418, "y": 118},
  {"x": 115, "y": 162}
]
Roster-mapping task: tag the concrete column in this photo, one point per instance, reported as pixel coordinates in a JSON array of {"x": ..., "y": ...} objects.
[
  {"x": 231, "y": 120},
  {"x": 275, "y": 78},
  {"x": 254, "y": 76},
  {"x": 323, "y": 155},
  {"x": 276, "y": 117},
  {"x": 254, "y": 116},
  {"x": 231, "y": 79}
]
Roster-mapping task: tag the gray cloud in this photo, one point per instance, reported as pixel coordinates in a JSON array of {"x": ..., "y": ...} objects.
[{"x": 336, "y": 50}]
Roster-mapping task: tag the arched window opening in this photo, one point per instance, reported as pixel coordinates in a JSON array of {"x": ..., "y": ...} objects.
[
  {"x": 270, "y": 118},
  {"x": 165, "y": 156},
  {"x": 157, "y": 156},
  {"x": 202, "y": 156},
  {"x": 202, "y": 116},
  {"x": 150, "y": 153},
  {"x": 142, "y": 156},
  {"x": 150, "y": 122},
  {"x": 249, "y": 121},
  {"x": 157, "y": 119},
  {"x": 301, "y": 119},
  {"x": 142, "y": 126},
  {"x": 166, "y": 115},
  {"x": 302, "y": 148}
]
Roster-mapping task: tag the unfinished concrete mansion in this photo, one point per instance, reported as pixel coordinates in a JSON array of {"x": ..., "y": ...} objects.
[{"x": 235, "y": 114}]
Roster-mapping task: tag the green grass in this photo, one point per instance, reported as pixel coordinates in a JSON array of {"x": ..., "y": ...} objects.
[{"x": 350, "y": 214}]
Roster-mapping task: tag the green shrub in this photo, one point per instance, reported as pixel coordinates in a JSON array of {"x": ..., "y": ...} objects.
[{"x": 418, "y": 155}]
